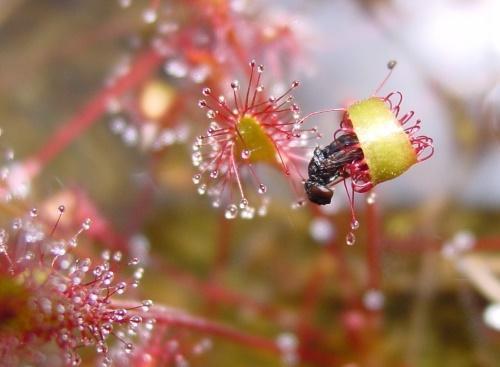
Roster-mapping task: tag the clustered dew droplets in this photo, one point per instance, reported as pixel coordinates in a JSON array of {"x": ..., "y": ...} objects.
[
  {"x": 247, "y": 128},
  {"x": 71, "y": 300}
]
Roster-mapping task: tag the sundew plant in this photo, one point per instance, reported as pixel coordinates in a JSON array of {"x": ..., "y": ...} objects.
[{"x": 249, "y": 183}]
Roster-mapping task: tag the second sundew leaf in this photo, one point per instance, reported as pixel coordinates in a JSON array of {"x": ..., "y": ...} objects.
[{"x": 253, "y": 144}]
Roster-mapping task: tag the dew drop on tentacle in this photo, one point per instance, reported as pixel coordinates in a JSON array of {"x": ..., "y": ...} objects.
[
  {"x": 350, "y": 238},
  {"x": 146, "y": 305},
  {"x": 196, "y": 178},
  {"x": 262, "y": 189},
  {"x": 391, "y": 64},
  {"x": 86, "y": 224},
  {"x": 243, "y": 203},
  {"x": 231, "y": 211},
  {"x": 202, "y": 189}
]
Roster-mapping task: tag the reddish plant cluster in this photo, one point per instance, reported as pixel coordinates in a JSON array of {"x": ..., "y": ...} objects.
[
  {"x": 247, "y": 129},
  {"x": 53, "y": 303},
  {"x": 358, "y": 170},
  {"x": 48, "y": 294},
  {"x": 198, "y": 42}
]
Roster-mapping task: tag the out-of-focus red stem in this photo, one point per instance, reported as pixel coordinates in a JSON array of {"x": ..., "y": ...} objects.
[
  {"x": 173, "y": 317},
  {"x": 222, "y": 246},
  {"x": 345, "y": 277},
  {"x": 154, "y": 4},
  {"x": 373, "y": 246},
  {"x": 144, "y": 64},
  {"x": 306, "y": 332},
  {"x": 215, "y": 292}
]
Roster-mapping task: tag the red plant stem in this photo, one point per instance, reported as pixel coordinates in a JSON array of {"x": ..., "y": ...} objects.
[
  {"x": 199, "y": 324},
  {"x": 222, "y": 246},
  {"x": 306, "y": 332},
  {"x": 139, "y": 212},
  {"x": 154, "y": 4},
  {"x": 215, "y": 292},
  {"x": 174, "y": 317},
  {"x": 373, "y": 246},
  {"x": 345, "y": 278},
  {"x": 142, "y": 67},
  {"x": 335, "y": 250}
]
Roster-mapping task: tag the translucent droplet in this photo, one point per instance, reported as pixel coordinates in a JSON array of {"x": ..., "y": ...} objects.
[
  {"x": 206, "y": 91},
  {"x": 298, "y": 204},
  {"x": 243, "y": 203},
  {"x": 245, "y": 154},
  {"x": 139, "y": 272},
  {"x": 210, "y": 114},
  {"x": 16, "y": 224},
  {"x": 214, "y": 173},
  {"x": 262, "y": 189},
  {"x": 101, "y": 348},
  {"x": 354, "y": 224},
  {"x": 287, "y": 342},
  {"x": 149, "y": 16},
  {"x": 391, "y": 64},
  {"x": 136, "y": 319},
  {"x": 491, "y": 316},
  {"x": 216, "y": 203},
  {"x": 350, "y": 239},
  {"x": 61, "y": 209},
  {"x": 146, "y": 305},
  {"x": 134, "y": 261},
  {"x": 33, "y": 212},
  {"x": 108, "y": 278},
  {"x": 119, "y": 314},
  {"x": 86, "y": 224},
  {"x": 197, "y": 178},
  {"x": 125, "y": 3},
  {"x": 247, "y": 213},
  {"x": 370, "y": 200},
  {"x": 128, "y": 348},
  {"x": 373, "y": 300},
  {"x": 176, "y": 68},
  {"x": 130, "y": 135},
  {"x": 9, "y": 155},
  {"x": 321, "y": 229},
  {"x": 202, "y": 189},
  {"x": 120, "y": 287},
  {"x": 235, "y": 84},
  {"x": 117, "y": 256},
  {"x": 231, "y": 212},
  {"x": 106, "y": 255}
]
